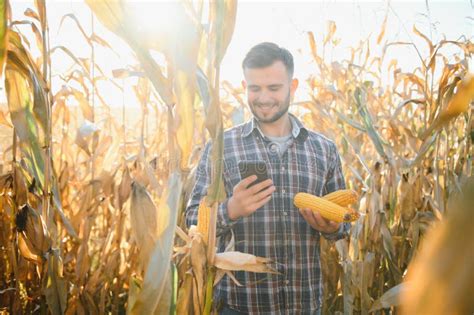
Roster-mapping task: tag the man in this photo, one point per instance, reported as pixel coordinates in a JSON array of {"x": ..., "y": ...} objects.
[{"x": 262, "y": 217}]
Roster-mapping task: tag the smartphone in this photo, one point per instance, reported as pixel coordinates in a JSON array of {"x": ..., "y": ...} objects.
[{"x": 249, "y": 168}]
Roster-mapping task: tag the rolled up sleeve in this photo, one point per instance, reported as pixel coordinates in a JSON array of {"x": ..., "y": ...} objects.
[
  {"x": 335, "y": 181},
  {"x": 201, "y": 184}
]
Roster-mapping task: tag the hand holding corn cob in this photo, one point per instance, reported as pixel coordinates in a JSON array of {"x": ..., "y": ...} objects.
[{"x": 332, "y": 206}]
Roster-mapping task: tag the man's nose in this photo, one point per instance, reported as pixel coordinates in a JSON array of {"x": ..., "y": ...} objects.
[{"x": 265, "y": 97}]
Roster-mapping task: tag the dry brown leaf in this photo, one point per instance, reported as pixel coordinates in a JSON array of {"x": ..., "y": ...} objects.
[
  {"x": 234, "y": 261},
  {"x": 125, "y": 187},
  {"x": 441, "y": 275},
  {"x": 198, "y": 263},
  {"x": 144, "y": 221}
]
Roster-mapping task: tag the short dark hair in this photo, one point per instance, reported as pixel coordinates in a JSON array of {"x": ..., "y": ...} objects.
[{"x": 265, "y": 54}]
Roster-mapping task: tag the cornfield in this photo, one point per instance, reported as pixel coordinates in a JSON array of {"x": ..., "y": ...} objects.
[{"x": 92, "y": 202}]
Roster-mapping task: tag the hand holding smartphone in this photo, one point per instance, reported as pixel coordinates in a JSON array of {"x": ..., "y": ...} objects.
[
  {"x": 249, "y": 168},
  {"x": 250, "y": 194}
]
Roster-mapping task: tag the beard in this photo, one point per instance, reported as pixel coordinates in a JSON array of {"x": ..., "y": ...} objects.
[{"x": 283, "y": 109}]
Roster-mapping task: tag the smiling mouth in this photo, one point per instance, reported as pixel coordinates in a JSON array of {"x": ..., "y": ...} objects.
[{"x": 265, "y": 106}]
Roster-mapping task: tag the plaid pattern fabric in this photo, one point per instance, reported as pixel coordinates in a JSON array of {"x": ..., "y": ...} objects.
[{"x": 277, "y": 230}]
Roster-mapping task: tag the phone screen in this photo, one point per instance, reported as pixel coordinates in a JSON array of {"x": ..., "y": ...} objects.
[{"x": 248, "y": 168}]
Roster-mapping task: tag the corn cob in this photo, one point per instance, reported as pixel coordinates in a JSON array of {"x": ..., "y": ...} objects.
[
  {"x": 31, "y": 224},
  {"x": 460, "y": 102},
  {"x": 343, "y": 197},
  {"x": 204, "y": 212},
  {"x": 329, "y": 210}
]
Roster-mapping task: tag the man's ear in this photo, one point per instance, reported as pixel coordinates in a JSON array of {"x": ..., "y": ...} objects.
[{"x": 244, "y": 84}]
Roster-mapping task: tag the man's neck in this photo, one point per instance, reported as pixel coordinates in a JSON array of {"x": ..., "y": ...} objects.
[{"x": 279, "y": 128}]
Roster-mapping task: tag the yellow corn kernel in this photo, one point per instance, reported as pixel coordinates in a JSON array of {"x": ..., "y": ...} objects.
[
  {"x": 343, "y": 197},
  {"x": 327, "y": 209},
  {"x": 204, "y": 212}
]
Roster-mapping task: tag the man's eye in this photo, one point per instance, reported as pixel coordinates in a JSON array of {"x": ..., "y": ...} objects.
[{"x": 274, "y": 89}]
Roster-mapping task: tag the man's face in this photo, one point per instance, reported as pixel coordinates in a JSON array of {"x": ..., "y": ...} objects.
[{"x": 269, "y": 91}]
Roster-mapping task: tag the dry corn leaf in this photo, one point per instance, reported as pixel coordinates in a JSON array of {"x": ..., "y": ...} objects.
[
  {"x": 21, "y": 111},
  {"x": 185, "y": 87},
  {"x": 382, "y": 31},
  {"x": 428, "y": 41},
  {"x": 183, "y": 303},
  {"x": 135, "y": 285},
  {"x": 234, "y": 261},
  {"x": 216, "y": 190},
  {"x": 198, "y": 263},
  {"x": 441, "y": 275},
  {"x": 113, "y": 14},
  {"x": 25, "y": 250},
  {"x": 165, "y": 302},
  {"x": 84, "y": 135},
  {"x": 144, "y": 221},
  {"x": 458, "y": 104},
  {"x": 3, "y": 35},
  {"x": 41, "y": 8},
  {"x": 125, "y": 187},
  {"x": 461, "y": 100},
  {"x": 5, "y": 120},
  {"x": 331, "y": 26},
  {"x": 20, "y": 60},
  {"x": 54, "y": 284},
  {"x": 314, "y": 52},
  {"x": 223, "y": 15},
  {"x": 86, "y": 108},
  {"x": 390, "y": 298},
  {"x": 159, "y": 265},
  {"x": 74, "y": 18},
  {"x": 110, "y": 13}
]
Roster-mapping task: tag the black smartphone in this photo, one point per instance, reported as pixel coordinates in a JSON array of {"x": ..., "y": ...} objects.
[{"x": 249, "y": 168}]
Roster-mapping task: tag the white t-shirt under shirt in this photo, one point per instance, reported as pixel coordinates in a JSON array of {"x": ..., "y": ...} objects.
[{"x": 279, "y": 143}]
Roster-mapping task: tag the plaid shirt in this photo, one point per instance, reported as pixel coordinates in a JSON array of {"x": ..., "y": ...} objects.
[{"x": 277, "y": 230}]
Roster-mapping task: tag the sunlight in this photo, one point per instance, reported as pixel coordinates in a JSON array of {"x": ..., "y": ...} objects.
[
  {"x": 127, "y": 149},
  {"x": 161, "y": 24}
]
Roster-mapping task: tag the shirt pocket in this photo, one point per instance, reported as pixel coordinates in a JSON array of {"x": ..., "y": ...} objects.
[{"x": 312, "y": 176}]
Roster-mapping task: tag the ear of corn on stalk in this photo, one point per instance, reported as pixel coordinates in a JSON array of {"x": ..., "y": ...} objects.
[
  {"x": 328, "y": 209},
  {"x": 204, "y": 212},
  {"x": 462, "y": 99},
  {"x": 34, "y": 231}
]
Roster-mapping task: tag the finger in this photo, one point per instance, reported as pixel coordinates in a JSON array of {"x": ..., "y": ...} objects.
[
  {"x": 307, "y": 215},
  {"x": 327, "y": 225},
  {"x": 262, "y": 202},
  {"x": 334, "y": 226},
  {"x": 244, "y": 183},
  {"x": 263, "y": 194},
  {"x": 258, "y": 187},
  {"x": 322, "y": 222}
]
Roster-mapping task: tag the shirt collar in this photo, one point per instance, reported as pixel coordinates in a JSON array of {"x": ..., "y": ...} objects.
[{"x": 297, "y": 127}]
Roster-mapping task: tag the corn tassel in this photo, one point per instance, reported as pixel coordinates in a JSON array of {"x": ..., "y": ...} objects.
[
  {"x": 343, "y": 197},
  {"x": 327, "y": 209}
]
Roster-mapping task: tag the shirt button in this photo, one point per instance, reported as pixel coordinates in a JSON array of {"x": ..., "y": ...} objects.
[
  {"x": 287, "y": 282},
  {"x": 283, "y": 168},
  {"x": 283, "y": 191},
  {"x": 285, "y": 213}
]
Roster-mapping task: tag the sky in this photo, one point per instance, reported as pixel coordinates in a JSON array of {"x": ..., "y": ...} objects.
[
  {"x": 283, "y": 22},
  {"x": 287, "y": 24}
]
